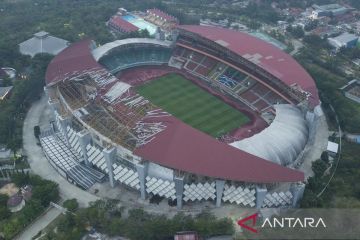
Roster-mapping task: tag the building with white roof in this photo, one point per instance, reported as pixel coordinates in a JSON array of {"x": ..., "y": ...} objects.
[
  {"x": 43, "y": 42},
  {"x": 344, "y": 40},
  {"x": 332, "y": 148}
]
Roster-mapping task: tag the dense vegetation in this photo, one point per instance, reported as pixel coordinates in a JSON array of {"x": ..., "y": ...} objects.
[
  {"x": 43, "y": 192},
  {"x": 107, "y": 217},
  {"x": 26, "y": 91},
  {"x": 327, "y": 71},
  {"x": 342, "y": 192},
  {"x": 329, "y": 77},
  {"x": 67, "y": 19}
]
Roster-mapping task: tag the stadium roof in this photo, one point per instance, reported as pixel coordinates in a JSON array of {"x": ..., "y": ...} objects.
[
  {"x": 180, "y": 146},
  {"x": 42, "y": 42},
  {"x": 122, "y": 24},
  {"x": 184, "y": 148},
  {"x": 263, "y": 54},
  {"x": 282, "y": 141},
  {"x": 76, "y": 58},
  {"x": 104, "y": 49}
]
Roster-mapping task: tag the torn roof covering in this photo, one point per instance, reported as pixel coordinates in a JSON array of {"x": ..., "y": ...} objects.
[
  {"x": 263, "y": 54},
  {"x": 180, "y": 146}
]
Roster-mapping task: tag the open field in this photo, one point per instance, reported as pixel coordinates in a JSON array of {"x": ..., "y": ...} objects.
[{"x": 193, "y": 105}]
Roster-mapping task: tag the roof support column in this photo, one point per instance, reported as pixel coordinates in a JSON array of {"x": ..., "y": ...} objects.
[
  {"x": 54, "y": 106},
  {"x": 84, "y": 139},
  {"x": 142, "y": 173},
  {"x": 64, "y": 122},
  {"x": 219, "y": 191},
  {"x": 109, "y": 155},
  {"x": 260, "y": 196},
  {"x": 297, "y": 191},
  {"x": 179, "y": 188}
]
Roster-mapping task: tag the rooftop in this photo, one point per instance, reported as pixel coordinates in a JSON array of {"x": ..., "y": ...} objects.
[
  {"x": 104, "y": 49},
  {"x": 42, "y": 42},
  {"x": 4, "y": 91},
  {"x": 76, "y": 58},
  {"x": 332, "y": 147},
  {"x": 282, "y": 141},
  {"x": 122, "y": 24},
  {"x": 328, "y": 7},
  {"x": 2, "y": 73},
  {"x": 263, "y": 54},
  {"x": 162, "y": 14},
  {"x": 15, "y": 200},
  {"x": 174, "y": 147},
  {"x": 345, "y": 37}
]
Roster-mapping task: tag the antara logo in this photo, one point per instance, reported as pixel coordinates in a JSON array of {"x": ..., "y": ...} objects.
[
  {"x": 289, "y": 222},
  {"x": 252, "y": 218},
  {"x": 294, "y": 222}
]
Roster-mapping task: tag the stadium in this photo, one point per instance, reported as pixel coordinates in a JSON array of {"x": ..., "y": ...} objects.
[{"x": 213, "y": 115}]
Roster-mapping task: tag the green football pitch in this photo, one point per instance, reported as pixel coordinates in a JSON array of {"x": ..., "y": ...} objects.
[{"x": 192, "y": 105}]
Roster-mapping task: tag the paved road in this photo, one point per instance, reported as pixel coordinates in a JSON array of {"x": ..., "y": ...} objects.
[
  {"x": 39, "y": 114},
  {"x": 37, "y": 160},
  {"x": 320, "y": 145},
  {"x": 39, "y": 224}
]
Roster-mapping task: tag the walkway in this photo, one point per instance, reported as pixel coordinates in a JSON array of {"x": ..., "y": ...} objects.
[
  {"x": 39, "y": 224},
  {"x": 40, "y": 114}
]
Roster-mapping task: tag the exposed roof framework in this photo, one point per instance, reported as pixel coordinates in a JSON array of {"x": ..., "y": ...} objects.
[{"x": 153, "y": 134}]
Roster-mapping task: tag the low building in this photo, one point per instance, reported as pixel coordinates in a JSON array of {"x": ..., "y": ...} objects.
[
  {"x": 346, "y": 40},
  {"x": 161, "y": 19},
  {"x": 191, "y": 235},
  {"x": 6, "y": 73},
  {"x": 43, "y": 42},
  {"x": 2, "y": 74},
  {"x": 328, "y": 10},
  {"x": 332, "y": 148},
  {"x": 5, "y": 153},
  {"x": 5, "y": 92},
  {"x": 119, "y": 25},
  {"x": 352, "y": 90},
  {"x": 355, "y": 138}
]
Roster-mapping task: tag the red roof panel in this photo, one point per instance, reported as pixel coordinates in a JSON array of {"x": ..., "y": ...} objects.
[
  {"x": 264, "y": 54},
  {"x": 182, "y": 147},
  {"x": 75, "y": 58},
  {"x": 124, "y": 25}
]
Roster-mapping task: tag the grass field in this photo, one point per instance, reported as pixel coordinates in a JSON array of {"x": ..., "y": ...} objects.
[{"x": 193, "y": 105}]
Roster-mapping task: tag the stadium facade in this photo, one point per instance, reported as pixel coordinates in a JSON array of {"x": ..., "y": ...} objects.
[{"x": 104, "y": 129}]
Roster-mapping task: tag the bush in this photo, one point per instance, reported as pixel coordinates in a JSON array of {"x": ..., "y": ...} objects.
[
  {"x": 71, "y": 205},
  {"x": 325, "y": 156},
  {"x": 319, "y": 167}
]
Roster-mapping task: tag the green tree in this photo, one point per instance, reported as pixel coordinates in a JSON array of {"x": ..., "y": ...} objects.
[
  {"x": 319, "y": 167},
  {"x": 20, "y": 179},
  {"x": 296, "y": 32},
  {"x": 71, "y": 204},
  {"x": 32, "y": 209},
  {"x": 4, "y": 212},
  {"x": 325, "y": 156}
]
